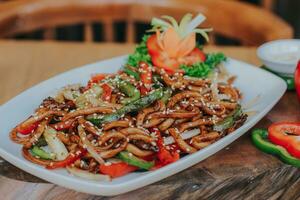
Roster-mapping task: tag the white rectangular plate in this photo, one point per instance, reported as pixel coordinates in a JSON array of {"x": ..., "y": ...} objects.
[{"x": 251, "y": 80}]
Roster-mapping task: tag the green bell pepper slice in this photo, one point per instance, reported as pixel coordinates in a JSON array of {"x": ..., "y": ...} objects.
[
  {"x": 229, "y": 120},
  {"x": 130, "y": 159},
  {"x": 166, "y": 95},
  {"x": 130, "y": 90},
  {"x": 37, "y": 151},
  {"x": 132, "y": 73},
  {"x": 260, "y": 140}
]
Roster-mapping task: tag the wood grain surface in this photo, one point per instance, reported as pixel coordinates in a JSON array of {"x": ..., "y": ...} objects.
[{"x": 238, "y": 172}]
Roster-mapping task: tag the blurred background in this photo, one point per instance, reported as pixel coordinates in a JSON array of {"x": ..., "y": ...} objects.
[{"x": 94, "y": 31}]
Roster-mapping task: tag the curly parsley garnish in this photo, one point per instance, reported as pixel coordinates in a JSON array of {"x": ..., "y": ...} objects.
[
  {"x": 202, "y": 69},
  {"x": 140, "y": 53}
]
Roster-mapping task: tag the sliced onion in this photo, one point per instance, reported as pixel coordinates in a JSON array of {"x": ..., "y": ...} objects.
[
  {"x": 184, "y": 22},
  {"x": 88, "y": 97},
  {"x": 172, "y": 20},
  {"x": 194, "y": 23},
  {"x": 114, "y": 160},
  {"x": 187, "y": 25},
  {"x": 185, "y": 135},
  {"x": 89, "y": 146},
  {"x": 224, "y": 97},
  {"x": 87, "y": 175},
  {"x": 56, "y": 146}
]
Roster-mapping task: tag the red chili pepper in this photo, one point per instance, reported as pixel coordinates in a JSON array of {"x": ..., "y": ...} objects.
[
  {"x": 117, "y": 169},
  {"x": 68, "y": 161},
  {"x": 63, "y": 125},
  {"x": 287, "y": 135},
  {"x": 25, "y": 130},
  {"x": 164, "y": 156},
  {"x": 145, "y": 73},
  {"x": 143, "y": 90},
  {"x": 106, "y": 96},
  {"x": 146, "y": 78},
  {"x": 95, "y": 79},
  {"x": 297, "y": 79}
]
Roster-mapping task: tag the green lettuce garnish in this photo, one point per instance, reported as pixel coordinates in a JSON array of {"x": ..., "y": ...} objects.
[
  {"x": 202, "y": 69},
  {"x": 140, "y": 53}
]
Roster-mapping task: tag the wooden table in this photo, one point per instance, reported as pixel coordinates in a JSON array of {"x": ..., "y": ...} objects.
[{"x": 238, "y": 172}]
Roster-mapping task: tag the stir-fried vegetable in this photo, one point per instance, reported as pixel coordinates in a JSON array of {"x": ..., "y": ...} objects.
[
  {"x": 25, "y": 130},
  {"x": 117, "y": 169},
  {"x": 229, "y": 120},
  {"x": 37, "y": 151},
  {"x": 131, "y": 159},
  {"x": 164, "y": 156},
  {"x": 41, "y": 142},
  {"x": 167, "y": 94},
  {"x": 131, "y": 72},
  {"x": 132, "y": 92},
  {"x": 107, "y": 90},
  {"x": 56, "y": 146},
  {"x": 89, "y": 147},
  {"x": 146, "y": 75},
  {"x": 134, "y": 106},
  {"x": 70, "y": 159},
  {"x": 91, "y": 96}
]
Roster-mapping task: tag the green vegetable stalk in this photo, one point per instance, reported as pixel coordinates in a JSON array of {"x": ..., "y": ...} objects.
[
  {"x": 131, "y": 107},
  {"x": 131, "y": 91}
]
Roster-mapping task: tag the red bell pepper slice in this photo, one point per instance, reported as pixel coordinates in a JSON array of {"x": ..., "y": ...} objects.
[
  {"x": 107, "y": 90},
  {"x": 63, "y": 125},
  {"x": 117, "y": 169},
  {"x": 25, "y": 130},
  {"x": 164, "y": 157},
  {"x": 68, "y": 161},
  {"x": 287, "y": 135},
  {"x": 297, "y": 79}
]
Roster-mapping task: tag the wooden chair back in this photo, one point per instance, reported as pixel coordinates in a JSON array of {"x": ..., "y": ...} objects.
[{"x": 247, "y": 23}]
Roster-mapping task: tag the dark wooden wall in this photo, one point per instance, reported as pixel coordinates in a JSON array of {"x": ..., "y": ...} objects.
[{"x": 287, "y": 9}]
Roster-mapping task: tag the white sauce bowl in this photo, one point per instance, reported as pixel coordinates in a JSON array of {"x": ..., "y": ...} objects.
[{"x": 280, "y": 56}]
